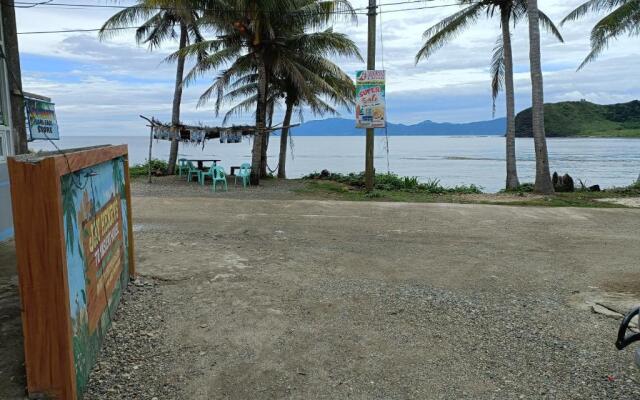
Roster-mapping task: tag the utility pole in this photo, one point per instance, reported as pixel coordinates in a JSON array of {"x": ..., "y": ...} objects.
[
  {"x": 11, "y": 57},
  {"x": 369, "y": 171}
]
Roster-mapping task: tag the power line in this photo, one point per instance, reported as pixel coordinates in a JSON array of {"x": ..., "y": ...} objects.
[
  {"x": 81, "y": 30},
  {"x": 426, "y": 7},
  {"x": 76, "y": 30},
  {"x": 50, "y": 3}
]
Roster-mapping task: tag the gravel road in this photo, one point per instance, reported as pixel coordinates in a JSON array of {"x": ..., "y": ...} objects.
[{"x": 273, "y": 299}]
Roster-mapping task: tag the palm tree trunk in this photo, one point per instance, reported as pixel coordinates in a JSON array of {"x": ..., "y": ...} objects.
[
  {"x": 177, "y": 99},
  {"x": 263, "y": 161},
  {"x": 265, "y": 143},
  {"x": 512, "y": 171},
  {"x": 284, "y": 137},
  {"x": 543, "y": 176},
  {"x": 261, "y": 117}
]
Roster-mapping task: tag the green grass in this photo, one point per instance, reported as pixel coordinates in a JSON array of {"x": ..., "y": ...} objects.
[
  {"x": 143, "y": 169},
  {"x": 351, "y": 191},
  {"x": 394, "y": 183}
]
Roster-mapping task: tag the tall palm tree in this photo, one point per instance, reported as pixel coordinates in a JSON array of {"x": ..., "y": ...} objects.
[
  {"x": 327, "y": 82},
  {"x": 543, "y": 182},
  {"x": 162, "y": 20},
  {"x": 510, "y": 11},
  {"x": 250, "y": 32},
  {"x": 624, "y": 19},
  {"x": 308, "y": 79}
]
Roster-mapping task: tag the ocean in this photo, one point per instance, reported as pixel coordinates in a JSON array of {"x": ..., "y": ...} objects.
[{"x": 454, "y": 160}]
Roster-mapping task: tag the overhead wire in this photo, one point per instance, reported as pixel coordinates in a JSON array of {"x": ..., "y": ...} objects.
[
  {"x": 80, "y": 30},
  {"x": 51, "y": 3}
]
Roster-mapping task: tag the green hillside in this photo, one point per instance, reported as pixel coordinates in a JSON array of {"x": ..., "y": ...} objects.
[{"x": 582, "y": 118}]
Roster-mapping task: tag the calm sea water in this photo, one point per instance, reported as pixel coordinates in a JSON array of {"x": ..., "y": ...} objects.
[{"x": 454, "y": 160}]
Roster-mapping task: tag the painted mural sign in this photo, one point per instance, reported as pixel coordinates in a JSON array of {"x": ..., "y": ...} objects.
[
  {"x": 41, "y": 119},
  {"x": 370, "y": 102},
  {"x": 97, "y": 243}
]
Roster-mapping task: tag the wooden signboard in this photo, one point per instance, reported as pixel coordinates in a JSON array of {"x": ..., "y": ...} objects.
[{"x": 74, "y": 247}]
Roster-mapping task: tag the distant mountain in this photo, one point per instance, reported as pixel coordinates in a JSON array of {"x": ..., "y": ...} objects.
[
  {"x": 582, "y": 118},
  {"x": 346, "y": 127}
]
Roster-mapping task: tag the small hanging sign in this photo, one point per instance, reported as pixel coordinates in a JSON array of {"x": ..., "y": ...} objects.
[
  {"x": 370, "y": 104},
  {"x": 230, "y": 136},
  {"x": 41, "y": 119}
]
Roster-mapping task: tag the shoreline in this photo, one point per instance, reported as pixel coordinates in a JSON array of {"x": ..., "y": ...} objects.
[{"x": 319, "y": 189}]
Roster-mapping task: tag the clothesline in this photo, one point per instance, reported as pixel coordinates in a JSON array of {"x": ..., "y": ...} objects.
[{"x": 199, "y": 133}]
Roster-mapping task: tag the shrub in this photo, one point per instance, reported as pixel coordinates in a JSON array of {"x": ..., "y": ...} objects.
[
  {"x": 522, "y": 188},
  {"x": 158, "y": 167},
  {"x": 393, "y": 182},
  {"x": 633, "y": 189}
]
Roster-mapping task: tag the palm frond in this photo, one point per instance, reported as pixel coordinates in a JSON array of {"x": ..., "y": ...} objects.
[
  {"x": 439, "y": 34},
  {"x": 592, "y": 6},
  {"x": 497, "y": 71},
  {"x": 547, "y": 24},
  {"x": 125, "y": 18},
  {"x": 624, "y": 20}
]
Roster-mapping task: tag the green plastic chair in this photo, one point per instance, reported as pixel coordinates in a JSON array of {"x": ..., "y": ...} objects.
[
  {"x": 244, "y": 174},
  {"x": 218, "y": 176},
  {"x": 182, "y": 166},
  {"x": 192, "y": 171},
  {"x": 204, "y": 174}
]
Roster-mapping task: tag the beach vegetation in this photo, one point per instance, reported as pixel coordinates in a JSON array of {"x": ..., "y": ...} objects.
[
  {"x": 509, "y": 12},
  {"x": 161, "y": 21},
  {"x": 254, "y": 43},
  {"x": 623, "y": 18},
  {"x": 391, "y": 182},
  {"x": 158, "y": 167}
]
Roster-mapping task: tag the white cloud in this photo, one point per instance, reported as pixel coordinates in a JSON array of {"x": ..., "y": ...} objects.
[{"x": 109, "y": 83}]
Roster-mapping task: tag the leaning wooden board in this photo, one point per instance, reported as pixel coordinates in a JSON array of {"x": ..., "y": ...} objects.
[{"x": 74, "y": 247}]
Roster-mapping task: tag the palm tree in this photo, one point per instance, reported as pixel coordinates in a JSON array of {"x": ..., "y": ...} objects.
[
  {"x": 543, "y": 182},
  {"x": 510, "y": 11},
  {"x": 624, "y": 19},
  {"x": 326, "y": 81},
  {"x": 160, "y": 19},
  {"x": 250, "y": 33},
  {"x": 309, "y": 78}
]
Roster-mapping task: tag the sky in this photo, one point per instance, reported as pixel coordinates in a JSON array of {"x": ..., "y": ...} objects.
[{"x": 101, "y": 87}]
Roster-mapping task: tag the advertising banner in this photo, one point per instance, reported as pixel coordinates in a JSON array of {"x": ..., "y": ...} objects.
[
  {"x": 41, "y": 119},
  {"x": 97, "y": 243},
  {"x": 370, "y": 106}
]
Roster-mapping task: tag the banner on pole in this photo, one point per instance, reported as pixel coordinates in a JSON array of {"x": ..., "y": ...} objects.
[{"x": 370, "y": 105}]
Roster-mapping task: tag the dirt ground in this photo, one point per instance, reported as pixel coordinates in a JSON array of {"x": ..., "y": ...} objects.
[
  {"x": 250, "y": 298},
  {"x": 12, "y": 379}
]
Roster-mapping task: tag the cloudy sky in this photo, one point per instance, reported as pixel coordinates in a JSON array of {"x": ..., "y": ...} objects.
[{"x": 100, "y": 88}]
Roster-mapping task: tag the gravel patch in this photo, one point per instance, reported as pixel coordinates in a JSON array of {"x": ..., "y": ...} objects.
[
  {"x": 135, "y": 362},
  {"x": 177, "y": 186},
  {"x": 333, "y": 300}
]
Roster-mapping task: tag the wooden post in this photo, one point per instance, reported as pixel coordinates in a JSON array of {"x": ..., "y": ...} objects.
[
  {"x": 12, "y": 58},
  {"x": 151, "y": 124},
  {"x": 150, "y": 147},
  {"x": 369, "y": 171}
]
